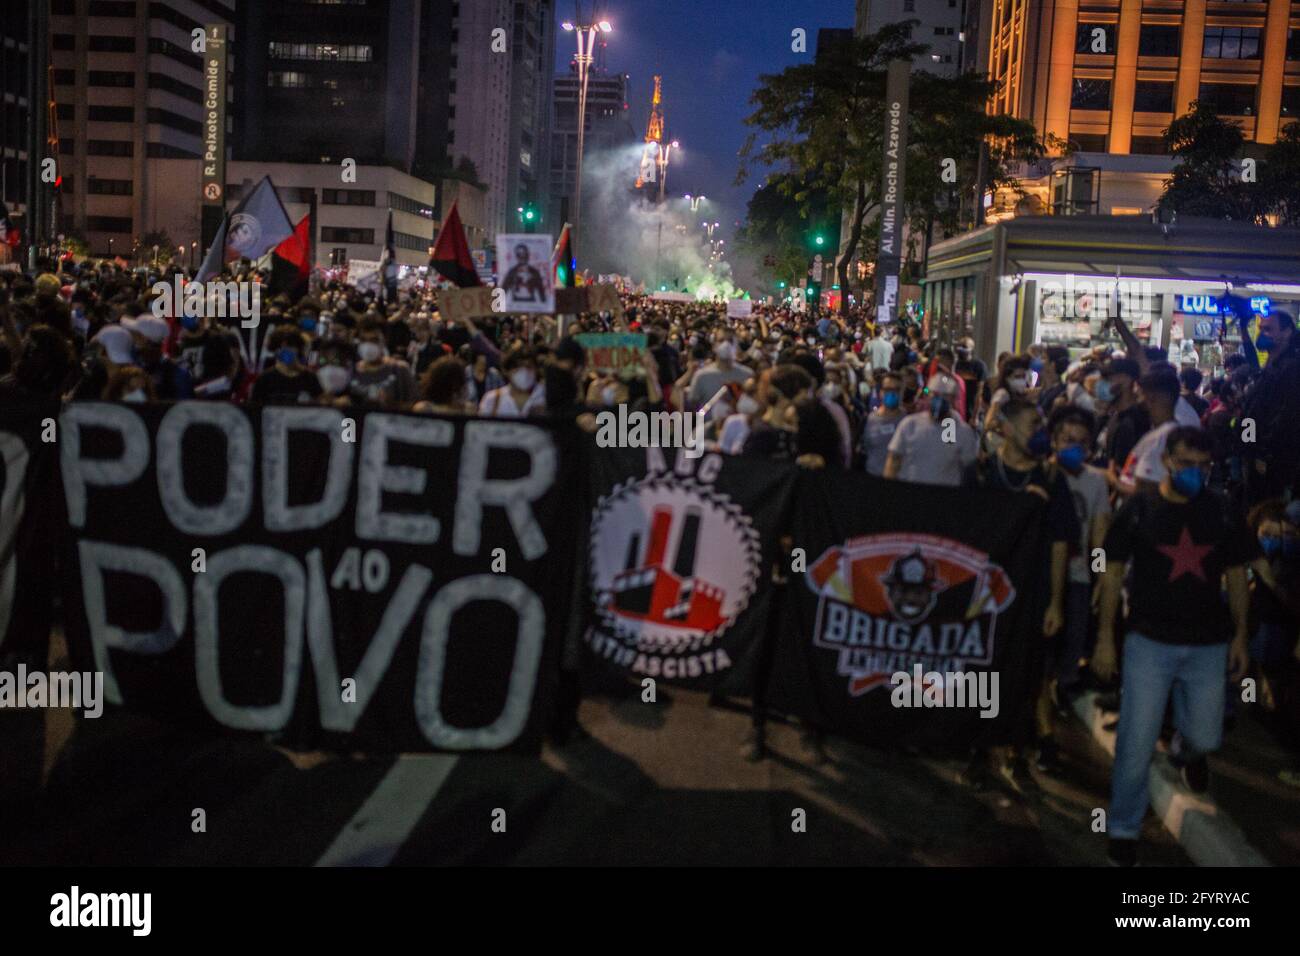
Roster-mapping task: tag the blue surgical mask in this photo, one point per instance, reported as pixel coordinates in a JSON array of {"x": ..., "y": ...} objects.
[
  {"x": 1040, "y": 444},
  {"x": 189, "y": 322},
  {"x": 287, "y": 357},
  {"x": 1188, "y": 481},
  {"x": 1264, "y": 342},
  {"x": 307, "y": 323},
  {"x": 1271, "y": 545},
  {"x": 1071, "y": 457},
  {"x": 1035, "y": 365},
  {"x": 1104, "y": 394},
  {"x": 890, "y": 400}
]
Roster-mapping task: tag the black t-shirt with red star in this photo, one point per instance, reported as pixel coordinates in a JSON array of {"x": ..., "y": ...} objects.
[{"x": 1179, "y": 553}]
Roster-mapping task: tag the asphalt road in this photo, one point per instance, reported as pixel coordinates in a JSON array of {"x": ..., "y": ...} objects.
[{"x": 652, "y": 784}]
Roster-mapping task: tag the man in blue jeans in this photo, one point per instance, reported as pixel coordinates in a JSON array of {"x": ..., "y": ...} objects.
[{"x": 1180, "y": 543}]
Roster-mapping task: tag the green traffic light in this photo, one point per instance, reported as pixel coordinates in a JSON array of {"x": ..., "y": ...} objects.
[{"x": 820, "y": 240}]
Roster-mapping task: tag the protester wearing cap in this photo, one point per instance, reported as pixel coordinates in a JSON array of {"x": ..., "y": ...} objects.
[
  {"x": 1126, "y": 420},
  {"x": 933, "y": 446},
  {"x": 171, "y": 382}
]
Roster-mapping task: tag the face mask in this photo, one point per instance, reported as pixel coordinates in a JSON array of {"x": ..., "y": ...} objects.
[
  {"x": 1039, "y": 444},
  {"x": 1104, "y": 393},
  {"x": 1017, "y": 385},
  {"x": 1071, "y": 457},
  {"x": 135, "y": 397},
  {"x": 608, "y": 395},
  {"x": 333, "y": 378},
  {"x": 1035, "y": 365},
  {"x": 307, "y": 323},
  {"x": 369, "y": 351},
  {"x": 189, "y": 322},
  {"x": 725, "y": 351},
  {"x": 523, "y": 379},
  {"x": 890, "y": 400},
  {"x": 747, "y": 405},
  {"x": 1188, "y": 481},
  {"x": 287, "y": 357},
  {"x": 1264, "y": 342},
  {"x": 1271, "y": 545}
]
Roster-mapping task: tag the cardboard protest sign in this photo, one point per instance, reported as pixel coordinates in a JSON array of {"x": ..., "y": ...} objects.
[
  {"x": 612, "y": 352},
  {"x": 739, "y": 308},
  {"x": 457, "y": 304}
]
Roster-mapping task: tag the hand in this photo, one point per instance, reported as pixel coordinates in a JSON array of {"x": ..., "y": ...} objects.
[
  {"x": 1103, "y": 657},
  {"x": 1053, "y": 620},
  {"x": 1238, "y": 659}
]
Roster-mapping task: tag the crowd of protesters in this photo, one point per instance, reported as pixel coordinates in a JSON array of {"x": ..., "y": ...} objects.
[{"x": 1187, "y": 480}]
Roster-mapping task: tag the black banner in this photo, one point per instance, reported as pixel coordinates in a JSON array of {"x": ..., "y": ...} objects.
[
  {"x": 680, "y": 559},
  {"x": 939, "y": 585},
  {"x": 30, "y": 520},
  {"x": 369, "y": 580}
]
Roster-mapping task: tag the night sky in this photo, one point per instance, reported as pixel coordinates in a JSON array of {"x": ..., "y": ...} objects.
[{"x": 710, "y": 54}]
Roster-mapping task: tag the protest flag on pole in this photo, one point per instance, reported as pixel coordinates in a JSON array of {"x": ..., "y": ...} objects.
[{"x": 451, "y": 257}]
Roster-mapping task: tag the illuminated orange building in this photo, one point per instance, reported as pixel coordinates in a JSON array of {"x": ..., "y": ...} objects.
[{"x": 1110, "y": 75}]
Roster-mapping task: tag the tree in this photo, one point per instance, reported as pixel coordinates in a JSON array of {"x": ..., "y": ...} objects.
[
  {"x": 144, "y": 248},
  {"x": 1206, "y": 180},
  {"x": 779, "y": 217},
  {"x": 823, "y": 124},
  {"x": 1279, "y": 177}
]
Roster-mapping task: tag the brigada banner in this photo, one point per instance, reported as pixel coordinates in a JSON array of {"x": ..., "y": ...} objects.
[
  {"x": 680, "y": 560},
  {"x": 915, "y": 614},
  {"x": 373, "y": 581}
]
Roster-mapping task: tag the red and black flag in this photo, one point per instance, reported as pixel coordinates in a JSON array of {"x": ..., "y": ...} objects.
[
  {"x": 451, "y": 257},
  {"x": 564, "y": 260},
  {"x": 291, "y": 263}
]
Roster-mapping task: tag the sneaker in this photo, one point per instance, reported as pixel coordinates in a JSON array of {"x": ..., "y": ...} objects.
[
  {"x": 1048, "y": 759},
  {"x": 756, "y": 748},
  {"x": 1122, "y": 852},
  {"x": 1016, "y": 773},
  {"x": 1196, "y": 775}
]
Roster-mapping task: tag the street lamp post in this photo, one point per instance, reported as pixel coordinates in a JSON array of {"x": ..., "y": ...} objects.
[
  {"x": 586, "y": 35},
  {"x": 664, "y": 155}
]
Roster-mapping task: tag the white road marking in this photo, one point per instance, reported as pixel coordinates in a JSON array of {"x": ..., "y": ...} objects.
[{"x": 377, "y": 831}]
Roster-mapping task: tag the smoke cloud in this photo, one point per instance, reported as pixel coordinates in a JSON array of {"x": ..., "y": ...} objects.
[{"x": 623, "y": 232}]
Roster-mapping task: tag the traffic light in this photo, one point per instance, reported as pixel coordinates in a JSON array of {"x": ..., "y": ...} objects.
[
  {"x": 528, "y": 216},
  {"x": 819, "y": 240}
]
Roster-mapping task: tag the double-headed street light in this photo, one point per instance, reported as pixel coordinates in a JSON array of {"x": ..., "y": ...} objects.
[
  {"x": 694, "y": 201},
  {"x": 586, "y": 34},
  {"x": 664, "y": 156}
]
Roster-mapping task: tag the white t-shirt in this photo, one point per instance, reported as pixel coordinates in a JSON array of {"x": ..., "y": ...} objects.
[
  {"x": 1091, "y": 497},
  {"x": 501, "y": 404},
  {"x": 926, "y": 457}
]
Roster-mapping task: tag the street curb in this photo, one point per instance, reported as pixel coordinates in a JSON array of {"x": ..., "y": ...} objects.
[{"x": 1206, "y": 832}]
